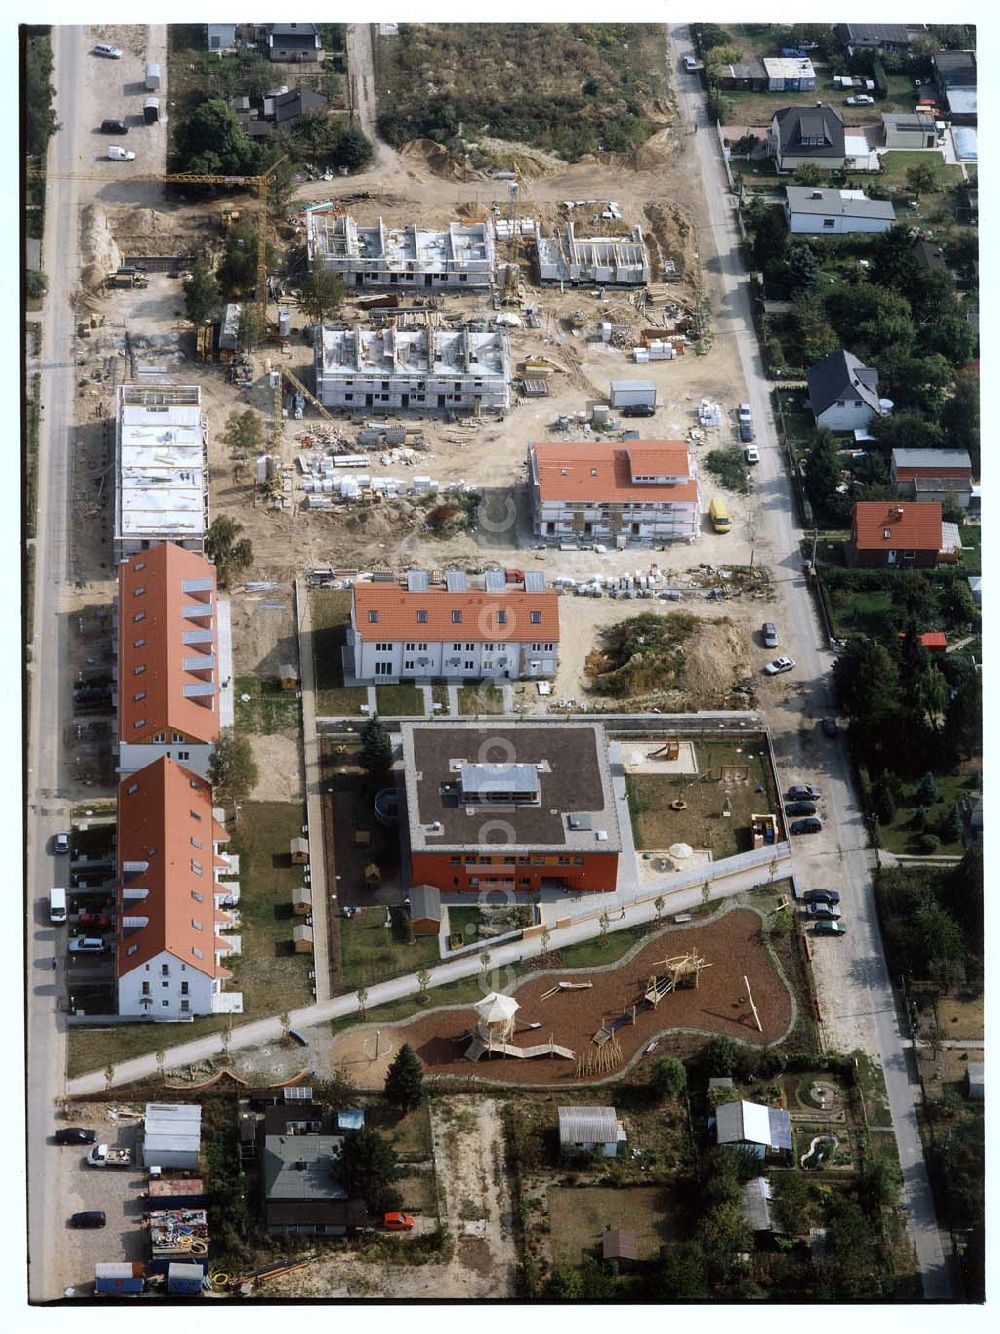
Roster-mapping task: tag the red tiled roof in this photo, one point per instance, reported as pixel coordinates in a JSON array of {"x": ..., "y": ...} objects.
[
  {"x": 931, "y": 639},
  {"x": 161, "y": 809},
  {"x": 396, "y": 610},
  {"x": 152, "y": 652},
  {"x": 595, "y": 471},
  {"x": 910, "y": 525},
  {"x": 931, "y": 472}
]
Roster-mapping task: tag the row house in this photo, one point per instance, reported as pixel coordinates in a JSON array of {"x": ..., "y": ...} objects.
[
  {"x": 460, "y": 256},
  {"x": 452, "y": 632},
  {"x": 642, "y": 493}
]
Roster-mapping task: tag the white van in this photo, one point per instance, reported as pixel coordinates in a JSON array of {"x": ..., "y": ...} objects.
[
  {"x": 57, "y": 905},
  {"x": 117, "y": 154},
  {"x": 106, "y": 49}
]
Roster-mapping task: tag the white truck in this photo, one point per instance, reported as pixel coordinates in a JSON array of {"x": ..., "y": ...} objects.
[{"x": 103, "y": 1155}]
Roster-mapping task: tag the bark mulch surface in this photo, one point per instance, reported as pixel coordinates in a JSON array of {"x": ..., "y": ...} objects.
[{"x": 571, "y": 1018}]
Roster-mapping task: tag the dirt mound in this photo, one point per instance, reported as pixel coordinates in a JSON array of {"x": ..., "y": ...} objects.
[
  {"x": 437, "y": 159},
  {"x": 675, "y": 235},
  {"x": 512, "y": 155},
  {"x": 654, "y": 153},
  {"x": 143, "y": 222},
  {"x": 715, "y": 659},
  {"x": 101, "y": 254}
]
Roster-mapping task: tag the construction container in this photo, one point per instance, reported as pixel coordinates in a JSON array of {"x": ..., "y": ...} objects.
[
  {"x": 151, "y": 110},
  {"x": 152, "y": 77},
  {"x": 284, "y": 322},
  {"x": 633, "y": 394}
]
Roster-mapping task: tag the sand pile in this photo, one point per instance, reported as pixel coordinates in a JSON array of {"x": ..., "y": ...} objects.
[{"x": 100, "y": 251}]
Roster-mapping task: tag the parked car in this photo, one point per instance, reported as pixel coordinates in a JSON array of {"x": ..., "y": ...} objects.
[
  {"x": 822, "y": 911},
  {"x": 113, "y": 126},
  {"x": 803, "y": 792},
  {"x": 745, "y": 421},
  {"x": 87, "y": 945},
  {"x": 91, "y": 694},
  {"x": 116, "y": 154},
  {"x": 821, "y": 896},
  {"x": 829, "y": 726},
  {"x": 861, "y": 100},
  {"x": 691, "y": 64},
  {"x": 800, "y": 808},
  {"x": 751, "y": 454},
  {"x": 60, "y": 843},
  {"x": 397, "y": 1222},
  {"x": 779, "y": 665},
  {"x": 812, "y": 824},
  {"x": 88, "y": 1218},
  {"x": 746, "y": 432},
  {"x": 95, "y": 921},
  {"x": 769, "y": 634},
  {"x": 828, "y": 928},
  {"x": 76, "y": 1135},
  {"x": 109, "y": 51},
  {"x": 638, "y": 410}
]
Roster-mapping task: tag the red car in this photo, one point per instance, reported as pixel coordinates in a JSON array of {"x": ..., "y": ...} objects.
[
  {"x": 396, "y": 1222},
  {"x": 96, "y": 919}
]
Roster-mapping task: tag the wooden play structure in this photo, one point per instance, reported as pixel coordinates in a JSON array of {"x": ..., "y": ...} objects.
[
  {"x": 565, "y": 986},
  {"x": 670, "y": 750},
  {"x": 492, "y": 1034},
  {"x": 682, "y": 970},
  {"x": 756, "y": 1016},
  {"x": 734, "y": 773},
  {"x": 604, "y": 1057}
]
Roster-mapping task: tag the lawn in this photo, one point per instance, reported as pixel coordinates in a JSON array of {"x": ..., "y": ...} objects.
[
  {"x": 439, "y": 695},
  {"x": 896, "y": 165},
  {"x": 269, "y": 709},
  {"x": 480, "y": 699},
  {"x": 799, "y": 423},
  {"x": 898, "y": 837},
  {"x": 578, "y": 1216},
  {"x": 369, "y": 953},
  {"x": 972, "y": 548},
  {"x": 399, "y": 701},
  {"x": 330, "y": 609},
  {"x": 702, "y": 824},
  {"x": 960, "y": 1020},
  {"x": 269, "y": 975},
  {"x": 464, "y": 922}
]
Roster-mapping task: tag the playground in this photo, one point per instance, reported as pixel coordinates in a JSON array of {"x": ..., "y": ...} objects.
[{"x": 564, "y": 1027}]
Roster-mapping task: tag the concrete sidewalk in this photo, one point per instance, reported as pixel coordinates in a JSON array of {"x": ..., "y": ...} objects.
[{"x": 313, "y": 785}]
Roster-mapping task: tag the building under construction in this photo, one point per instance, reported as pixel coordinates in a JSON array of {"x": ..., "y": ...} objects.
[
  {"x": 161, "y": 468},
  {"x": 416, "y": 370},
  {"x": 404, "y": 257},
  {"x": 605, "y": 260}
]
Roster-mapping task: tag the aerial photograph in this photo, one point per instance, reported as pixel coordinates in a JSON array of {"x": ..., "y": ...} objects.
[{"x": 501, "y": 596}]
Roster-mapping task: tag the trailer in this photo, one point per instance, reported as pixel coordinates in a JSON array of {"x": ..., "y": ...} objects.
[
  {"x": 151, "y": 110},
  {"x": 633, "y": 394},
  {"x": 152, "y": 77}
]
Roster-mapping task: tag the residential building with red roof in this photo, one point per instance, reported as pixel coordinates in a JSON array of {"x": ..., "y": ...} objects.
[
  {"x": 168, "y": 660},
  {"x": 640, "y": 493},
  {"x": 932, "y": 474},
  {"x": 168, "y": 946},
  {"x": 420, "y": 631},
  {"x": 895, "y": 534}
]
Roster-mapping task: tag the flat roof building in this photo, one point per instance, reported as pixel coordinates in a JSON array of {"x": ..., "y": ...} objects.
[
  {"x": 813, "y": 211},
  {"x": 460, "y": 256},
  {"x": 611, "y": 260},
  {"x": 517, "y": 808},
  {"x": 161, "y": 468},
  {"x": 412, "y": 370}
]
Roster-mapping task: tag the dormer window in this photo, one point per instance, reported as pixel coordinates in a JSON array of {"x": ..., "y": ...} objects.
[
  {"x": 373, "y": 618},
  {"x": 456, "y": 618}
]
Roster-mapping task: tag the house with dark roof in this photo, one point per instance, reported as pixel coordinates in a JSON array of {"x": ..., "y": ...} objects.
[
  {"x": 294, "y": 43},
  {"x": 302, "y": 1192},
  {"x": 887, "y": 37},
  {"x": 620, "y": 1250},
  {"x": 765, "y": 1131},
  {"x": 955, "y": 78},
  {"x": 932, "y": 474},
  {"x": 802, "y": 135},
  {"x": 843, "y": 392},
  {"x": 748, "y": 77},
  {"x": 908, "y": 131},
  {"x": 810, "y": 211},
  {"x": 895, "y": 535}
]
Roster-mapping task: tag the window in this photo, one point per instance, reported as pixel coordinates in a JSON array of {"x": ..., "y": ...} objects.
[
  {"x": 165, "y": 970},
  {"x": 410, "y": 647},
  {"x": 140, "y": 694},
  {"x": 138, "y": 643},
  {"x": 470, "y": 648},
  {"x": 198, "y": 954},
  {"x": 138, "y": 592},
  {"x": 197, "y": 867},
  {"x": 373, "y": 617},
  {"x": 455, "y": 861},
  {"x": 536, "y": 618},
  {"x": 139, "y": 616},
  {"x": 469, "y": 665},
  {"x": 383, "y": 669},
  {"x": 139, "y": 565},
  {"x": 909, "y": 555},
  {"x": 164, "y": 984},
  {"x": 140, "y": 722},
  {"x": 145, "y": 986},
  {"x": 564, "y": 861},
  {"x": 422, "y": 617},
  {"x": 138, "y": 671},
  {"x": 196, "y": 842},
  {"x": 183, "y": 754},
  {"x": 195, "y": 816},
  {"x": 524, "y": 880},
  {"x": 132, "y": 787},
  {"x": 132, "y": 949},
  {"x": 550, "y": 648},
  {"x": 409, "y": 665},
  {"x": 165, "y": 1004},
  {"x": 829, "y": 222},
  {"x": 501, "y": 618},
  {"x": 197, "y": 896},
  {"x": 160, "y": 737},
  {"x": 456, "y": 618},
  {"x": 383, "y": 648},
  {"x": 196, "y": 924},
  {"x": 886, "y": 533},
  {"x": 185, "y": 1006},
  {"x": 457, "y": 647}
]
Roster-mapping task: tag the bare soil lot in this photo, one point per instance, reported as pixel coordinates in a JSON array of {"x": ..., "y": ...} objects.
[{"x": 579, "y": 1216}]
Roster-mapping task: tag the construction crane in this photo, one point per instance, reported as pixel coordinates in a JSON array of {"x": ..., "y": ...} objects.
[
  {"x": 259, "y": 182},
  {"x": 277, "y": 429}
]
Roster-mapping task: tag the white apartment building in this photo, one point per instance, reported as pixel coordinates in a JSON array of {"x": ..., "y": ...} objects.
[
  {"x": 639, "y": 493},
  {"x": 452, "y": 632},
  {"x": 412, "y": 370},
  {"x": 462, "y": 256}
]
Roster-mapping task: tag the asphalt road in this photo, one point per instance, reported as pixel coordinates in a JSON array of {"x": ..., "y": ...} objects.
[
  {"x": 86, "y": 89},
  {"x": 853, "y": 982}
]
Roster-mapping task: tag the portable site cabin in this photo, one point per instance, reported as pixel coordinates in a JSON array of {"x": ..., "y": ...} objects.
[
  {"x": 184, "y": 1280},
  {"x": 152, "y": 77},
  {"x": 300, "y": 851},
  {"x": 302, "y": 900},
  {"x": 172, "y": 1134},
  {"x": 151, "y": 110},
  {"x": 118, "y": 1276},
  {"x": 302, "y": 939},
  {"x": 289, "y": 676}
]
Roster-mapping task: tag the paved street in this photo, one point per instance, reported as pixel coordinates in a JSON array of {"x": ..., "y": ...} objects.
[{"x": 853, "y": 983}]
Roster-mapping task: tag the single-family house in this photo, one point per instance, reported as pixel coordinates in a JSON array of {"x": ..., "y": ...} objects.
[
  {"x": 789, "y": 74},
  {"x": 294, "y": 43},
  {"x": 955, "y": 78},
  {"x": 894, "y": 38},
  {"x": 802, "y": 135},
  {"x": 765, "y": 1131},
  {"x": 504, "y": 632},
  {"x": 639, "y": 493},
  {"x": 585, "y": 1130},
  {"x": 168, "y": 946},
  {"x": 895, "y": 535},
  {"x": 811, "y": 211},
  {"x": 425, "y": 910},
  {"x": 931, "y": 257},
  {"x": 908, "y": 131},
  {"x": 843, "y": 392},
  {"x": 220, "y": 38},
  {"x": 302, "y": 1191},
  {"x": 932, "y": 474}
]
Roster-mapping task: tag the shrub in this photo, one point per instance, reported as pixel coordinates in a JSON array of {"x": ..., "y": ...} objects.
[{"x": 928, "y": 843}]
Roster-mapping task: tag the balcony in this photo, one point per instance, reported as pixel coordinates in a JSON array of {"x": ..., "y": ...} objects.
[
  {"x": 197, "y": 611},
  {"x": 201, "y": 636},
  {"x": 200, "y": 662},
  {"x": 199, "y": 688},
  {"x": 197, "y": 585}
]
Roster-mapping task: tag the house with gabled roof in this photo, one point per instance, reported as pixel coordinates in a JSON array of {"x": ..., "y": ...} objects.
[
  {"x": 895, "y": 535},
  {"x": 168, "y": 946},
  {"x": 932, "y": 474},
  {"x": 168, "y": 659},
  {"x": 807, "y": 134},
  {"x": 765, "y": 1131},
  {"x": 843, "y": 392}
]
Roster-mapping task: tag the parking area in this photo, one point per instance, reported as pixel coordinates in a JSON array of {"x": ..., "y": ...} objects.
[{"x": 118, "y": 1191}]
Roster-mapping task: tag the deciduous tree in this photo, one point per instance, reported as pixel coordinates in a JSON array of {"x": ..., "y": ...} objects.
[
  {"x": 230, "y": 553},
  {"x": 232, "y": 769}
]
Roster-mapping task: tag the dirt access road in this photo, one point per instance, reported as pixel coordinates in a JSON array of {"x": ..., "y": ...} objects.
[{"x": 467, "y": 1138}]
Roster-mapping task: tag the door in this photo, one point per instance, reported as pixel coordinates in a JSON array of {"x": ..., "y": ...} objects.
[{"x": 893, "y": 556}]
